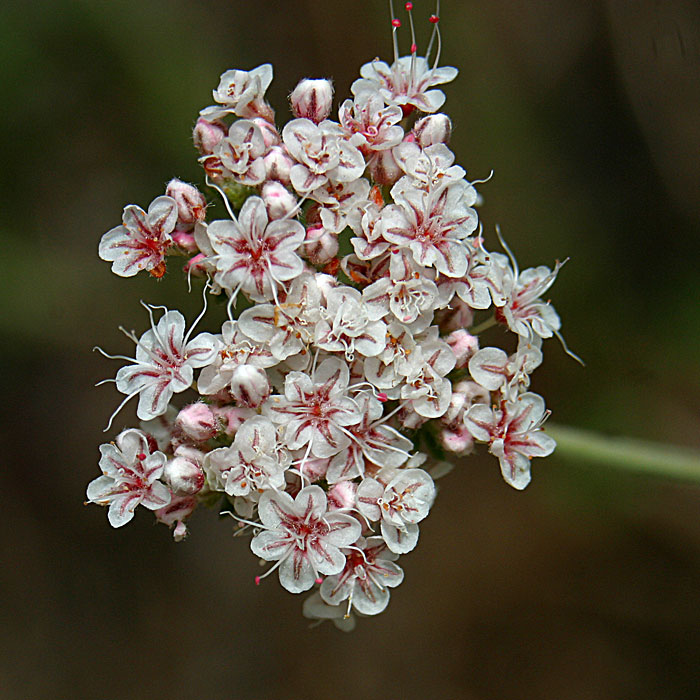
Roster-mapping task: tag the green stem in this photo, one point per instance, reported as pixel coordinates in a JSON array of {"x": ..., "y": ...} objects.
[
  {"x": 657, "y": 459},
  {"x": 483, "y": 326}
]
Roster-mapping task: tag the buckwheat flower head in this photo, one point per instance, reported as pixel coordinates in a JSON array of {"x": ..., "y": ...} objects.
[{"x": 347, "y": 359}]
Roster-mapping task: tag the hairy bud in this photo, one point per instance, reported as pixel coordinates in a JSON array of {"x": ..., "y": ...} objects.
[
  {"x": 207, "y": 135},
  {"x": 278, "y": 164},
  {"x": 191, "y": 205},
  {"x": 463, "y": 346},
  {"x": 312, "y": 99},
  {"x": 197, "y": 421},
  {"x": 249, "y": 385},
  {"x": 321, "y": 246},
  {"x": 435, "y": 128},
  {"x": 279, "y": 201},
  {"x": 183, "y": 476}
]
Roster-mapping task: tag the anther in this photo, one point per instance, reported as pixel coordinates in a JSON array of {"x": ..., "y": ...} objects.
[
  {"x": 396, "y": 23},
  {"x": 409, "y": 6},
  {"x": 318, "y": 580},
  {"x": 434, "y": 19},
  {"x": 382, "y": 397},
  {"x": 257, "y": 580}
]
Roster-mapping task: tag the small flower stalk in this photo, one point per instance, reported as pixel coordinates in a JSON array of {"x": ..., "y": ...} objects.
[{"x": 354, "y": 357}]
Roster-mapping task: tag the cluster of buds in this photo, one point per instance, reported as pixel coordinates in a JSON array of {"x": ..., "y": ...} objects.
[{"x": 355, "y": 282}]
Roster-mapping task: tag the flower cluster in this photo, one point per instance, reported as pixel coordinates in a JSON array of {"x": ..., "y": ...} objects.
[{"x": 352, "y": 268}]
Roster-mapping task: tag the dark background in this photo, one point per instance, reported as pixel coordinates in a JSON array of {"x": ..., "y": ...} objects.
[{"x": 584, "y": 587}]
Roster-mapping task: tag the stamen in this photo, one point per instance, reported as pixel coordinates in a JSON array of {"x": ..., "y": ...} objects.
[
  {"x": 269, "y": 571},
  {"x": 113, "y": 357},
  {"x": 560, "y": 337},
  {"x": 119, "y": 408},
  {"x": 149, "y": 310},
  {"x": 434, "y": 20},
  {"x": 414, "y": 48},
  {"x": 232, "y": 300},
  {"x": 481, "y": 182},
  {"x": 199, "y": 318},
  {"x": 223, "y": 196},
  {"x": 505, "y": 247},
  {"x": 395, "y": 24}
]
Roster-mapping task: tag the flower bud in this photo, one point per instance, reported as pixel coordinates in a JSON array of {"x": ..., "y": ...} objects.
[
  {"x": 196, "y": 266},
  {"x": 463, "y": 345},
  {"x": 384, "y": 169},
  {"x": 325, "y": 284},
  {"x": 232, "y": 418},
  {"x": 279, "y": 201},
  {"x": 458, "y": 315},
  {"x": 183, "y": 476},
  {"x": 459, "y": 440},
  {"x": 474, "y": 393},
  {"x": 409, "y": 419},
  {"x": 271, "y": 137},
  {"x": 207, "y": 135},
  {"x": 321, "y": 246},
  {"x": 191, "y": 205},
  {"x": 184, "y": 240},
  {"x": 197, "y": 421},
  {"x": 312, "y": 99},
  {"x": 315, "y": 468},
  {"x": 464, "y": 395},
  {"x": 180, "y": 531},
  {"x": 433, "y": 129},
  {"x": 249, "y": 385},
  {"x": 278, "y": 165},
  {"x": 342, "y": 495}
]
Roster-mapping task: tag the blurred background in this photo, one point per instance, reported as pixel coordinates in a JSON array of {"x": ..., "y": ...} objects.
[{"x": 585, "y": 586}]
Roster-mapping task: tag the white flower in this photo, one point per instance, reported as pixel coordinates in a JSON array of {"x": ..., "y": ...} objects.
[
  {"x": 372, "y": 440},
  {"x": 407, "y": 293},
  {"x": 522, "y": 309},
  {"x": 433, "y": 227},
  {"x": 401, "y": 505},
  {"x": 164, "y": 363},
  {"x": 321, "y": 154},
  {"x": 254, "y": 462},
  {"x": 427, "y": 169},
  {"x": 493, "y": 369},
  {"x": 242, "y": 151},
  {"x": 369, "y": 125},
  {"x": 143, "y": 239},
  {"x": 302, "y": 536},
  {"x": 242, "y": 93},
  {"x": 514, "y": 435},
  {"x": 316, "y": 411},
  {"x": 130, "y": 473},
  {"x": 236, "y": 349},
  {"x": 253, "y": 254},
  {"x": 407, "y": 83},
  {"x": 348, "y": 325},
  {"x": 339, "y": 202},
  {"x": 315, "y": 608},
  {"x": 369, "y": 571},
  {"x": 286, "y": 329}
]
